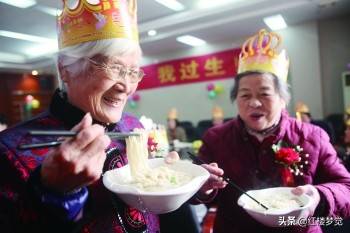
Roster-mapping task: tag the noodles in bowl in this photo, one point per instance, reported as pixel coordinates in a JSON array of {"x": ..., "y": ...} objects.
[
  {"x": 143, "y": 176},
  {"x": 281, "y": 202},
  {"x": 151, "y": 184}
]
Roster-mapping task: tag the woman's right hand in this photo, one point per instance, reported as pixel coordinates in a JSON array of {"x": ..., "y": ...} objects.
[
  {"x": 78, "y": 161},
  {"x": 215, "y": 180}
]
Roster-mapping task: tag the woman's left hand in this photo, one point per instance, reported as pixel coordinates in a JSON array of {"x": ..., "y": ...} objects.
[
  {"x": 313, "y": 193},
  {"x": 215, "y": 180}
]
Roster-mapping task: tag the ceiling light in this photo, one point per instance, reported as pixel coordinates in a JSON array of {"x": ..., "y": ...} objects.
[
  {"x": 10, "y": 57},
  {"x": 42, "y": 50},
  {"x": 172, "y": 4},
  {"x": 35, "y": 72},
  {"x": 275, "y": 22},
  {"x": 27, "y": 37},
  {"x": 214, "y": 3},
  {"x": 152, "y": 32},
  {"x": 49, "y": 10},
  {"x": 190, "y": 40},
  {"x": 19, "y": 3}
]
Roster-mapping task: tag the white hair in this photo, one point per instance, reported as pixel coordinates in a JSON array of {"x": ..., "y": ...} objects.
[{"x": 72, "y": 58}]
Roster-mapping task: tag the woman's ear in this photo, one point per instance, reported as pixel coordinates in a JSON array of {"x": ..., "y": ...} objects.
[{"x": 63, "y": 73}]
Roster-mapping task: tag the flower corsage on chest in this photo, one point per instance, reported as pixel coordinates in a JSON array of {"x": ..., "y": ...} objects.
[{"x": 292, "y": 160}]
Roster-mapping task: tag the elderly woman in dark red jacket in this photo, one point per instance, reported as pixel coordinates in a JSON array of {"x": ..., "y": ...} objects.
[{"x": 244, "y": 147}]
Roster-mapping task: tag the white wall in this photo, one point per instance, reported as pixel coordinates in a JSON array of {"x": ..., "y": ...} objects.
[
  {"x": 335, "y": 55},
  {"x": 302, "y": 44}
]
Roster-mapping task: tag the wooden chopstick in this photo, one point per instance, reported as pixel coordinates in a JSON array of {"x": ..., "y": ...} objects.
[
  {"x": 228, "y": 180},
  {"x": 62, "y": 133}
]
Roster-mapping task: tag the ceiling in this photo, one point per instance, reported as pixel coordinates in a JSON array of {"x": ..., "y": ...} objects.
[{"x": 230, "y": 21}]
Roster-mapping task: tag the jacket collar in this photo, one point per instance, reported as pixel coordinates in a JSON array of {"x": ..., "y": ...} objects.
[{"x": 276, "y": 135}]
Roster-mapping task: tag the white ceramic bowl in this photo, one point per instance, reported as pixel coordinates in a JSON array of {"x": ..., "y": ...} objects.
[
  {"x": 156, "y": 202},
  {"x": 273, "y": 217}
]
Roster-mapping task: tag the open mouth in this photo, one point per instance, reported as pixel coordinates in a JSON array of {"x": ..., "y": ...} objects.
[
  {"x": 114, "y": 102},
  {"x": 256, "y": 116}
]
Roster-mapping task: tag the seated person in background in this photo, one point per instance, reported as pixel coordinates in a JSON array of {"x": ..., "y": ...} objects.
[
  {"x": 344, "y": 150},
  {"x": 174, "y": 131},
  {"x": 347, "y": 115},
  {"x": 303, "y": 114},
  {"x": 3, "y": 122},
  {"x": 251, "y": 149},
  {"x": 218, "y": 116}
]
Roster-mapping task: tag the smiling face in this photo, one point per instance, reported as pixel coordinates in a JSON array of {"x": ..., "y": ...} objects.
[
  {"x": 94, "y": 91},
  {"x": 259, "y": 104}
]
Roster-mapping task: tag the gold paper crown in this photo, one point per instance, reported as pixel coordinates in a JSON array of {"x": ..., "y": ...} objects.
[
  {"x": 347, "y": 111},
  {"x": 300, "y": 108},
  {"x": 261, "y": 53},
  {"x": 172, "y": 115},
  {"x": 217, "y": 113},
  {"x": 347, "y": 123},
  {"x": 90, "y": 22}
]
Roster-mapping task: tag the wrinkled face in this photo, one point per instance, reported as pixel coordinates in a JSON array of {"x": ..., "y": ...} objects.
[
  {"x": 259, "y": 105},
  {"x": 347, "y": 135},
  {"x": 96, "y": 92}
]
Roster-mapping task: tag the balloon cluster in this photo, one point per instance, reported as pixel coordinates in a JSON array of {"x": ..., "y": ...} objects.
[
  {"x": 133, "y": 100},
  {"x": 31, "y": 103},
  {"x": 214, "y": 90}
]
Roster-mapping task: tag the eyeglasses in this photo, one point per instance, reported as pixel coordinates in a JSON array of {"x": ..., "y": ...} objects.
[{"x": 118, "y": 71}]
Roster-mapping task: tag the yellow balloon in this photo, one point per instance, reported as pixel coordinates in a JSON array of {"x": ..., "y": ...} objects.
[
  {"x": 219, "y": 88},
  {"x": 35, "y": 103}
]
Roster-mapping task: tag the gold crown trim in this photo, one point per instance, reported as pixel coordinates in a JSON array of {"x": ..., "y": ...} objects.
[
  {"x": 106, "y": 19},
  {"x": 262, "y": 52},
  {"x": 262, "y": 46}
]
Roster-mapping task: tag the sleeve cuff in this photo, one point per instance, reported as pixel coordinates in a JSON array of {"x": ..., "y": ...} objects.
[
  {"x": 206, "y": 198},
  {"x": 67, "y": 206},
  {"x": 324, "y": 207}
]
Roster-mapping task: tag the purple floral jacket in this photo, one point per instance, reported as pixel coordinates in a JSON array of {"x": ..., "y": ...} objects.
[
  {"x": 27, "y": 206},
  {"x": 251, "y": 165}
]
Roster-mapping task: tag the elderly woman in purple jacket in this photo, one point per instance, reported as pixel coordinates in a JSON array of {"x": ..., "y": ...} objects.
[
  {"x": 60, "y": 189},
  {"x": 256, "y": 149}
]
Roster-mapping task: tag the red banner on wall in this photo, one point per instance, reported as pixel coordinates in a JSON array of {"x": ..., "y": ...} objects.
[{"x": 203, "y": 68}]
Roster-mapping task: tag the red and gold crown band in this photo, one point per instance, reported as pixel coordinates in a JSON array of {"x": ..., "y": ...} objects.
[
  {"x": 93, "y": 20},
  {"x": 261, "y": 52}
]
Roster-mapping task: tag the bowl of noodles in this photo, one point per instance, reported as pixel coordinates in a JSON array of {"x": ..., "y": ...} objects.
[
  {"x": 283, "y": 206},
  {"x": 164, "y": 188}
]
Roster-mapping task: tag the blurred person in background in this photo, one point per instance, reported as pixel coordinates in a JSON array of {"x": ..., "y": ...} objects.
[
  {"x": 344, "y": 149},
  {"x": 302, "y": 113},
  {"x": 3, "y": 122},
  {"x": 217, "y": 116},
  {"x": 264, "y": 147},
  {"x": 60, "y": 189},
  {"x": 174, "y": 131}
]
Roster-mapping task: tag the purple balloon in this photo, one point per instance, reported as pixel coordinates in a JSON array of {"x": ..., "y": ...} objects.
[
  {"x": 136, "y": 97},
  {"x": 210, "y": 87},
  {"x": 348, "y": 66}
]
